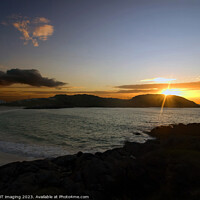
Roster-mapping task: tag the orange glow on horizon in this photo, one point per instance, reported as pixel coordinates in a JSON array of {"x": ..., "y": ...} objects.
[
  {"x": 17, "y": 92},
  {"x": 168, "y": 91}
]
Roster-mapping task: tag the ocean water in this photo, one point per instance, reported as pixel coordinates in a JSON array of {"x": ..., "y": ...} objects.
[{"x": 55, "y": 132}]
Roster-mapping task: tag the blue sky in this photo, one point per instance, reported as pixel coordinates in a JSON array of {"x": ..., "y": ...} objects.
[{"x": 98, "y": 45}]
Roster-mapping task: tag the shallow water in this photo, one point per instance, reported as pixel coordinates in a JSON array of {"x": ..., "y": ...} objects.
[{"x": 54, "y": 132}]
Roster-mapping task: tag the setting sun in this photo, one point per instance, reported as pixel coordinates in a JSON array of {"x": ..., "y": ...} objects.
[{"x": 171, "y": 92}]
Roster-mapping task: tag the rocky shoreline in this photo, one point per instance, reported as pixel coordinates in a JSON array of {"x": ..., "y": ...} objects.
[{"x": 165, "y": 168}]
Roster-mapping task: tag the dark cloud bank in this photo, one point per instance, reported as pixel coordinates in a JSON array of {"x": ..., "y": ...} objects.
[{"x": 27, "y": 76}]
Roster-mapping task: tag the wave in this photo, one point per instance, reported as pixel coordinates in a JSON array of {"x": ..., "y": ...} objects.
[
  {"x": 7, "y": 110},
  {"x": 33, "y": 151}
]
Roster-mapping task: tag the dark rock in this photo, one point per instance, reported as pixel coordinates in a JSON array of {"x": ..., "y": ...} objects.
[
  {"x": 79, "y": 154},
  {"x": 165, "y": 168}
]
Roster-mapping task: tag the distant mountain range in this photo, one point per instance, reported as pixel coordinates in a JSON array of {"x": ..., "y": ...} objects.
[{"x": 83, "y": 100}]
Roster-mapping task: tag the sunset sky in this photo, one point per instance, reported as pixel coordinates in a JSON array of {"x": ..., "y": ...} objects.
[{"x": 109, "y": 48}]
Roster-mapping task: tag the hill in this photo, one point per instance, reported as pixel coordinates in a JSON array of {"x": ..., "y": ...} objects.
[
  {"x": 156, "y": 100},
  {"x": 66, "y": 101}
]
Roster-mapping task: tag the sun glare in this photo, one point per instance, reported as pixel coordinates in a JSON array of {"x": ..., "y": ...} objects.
[{"x": 171, "y": 92}]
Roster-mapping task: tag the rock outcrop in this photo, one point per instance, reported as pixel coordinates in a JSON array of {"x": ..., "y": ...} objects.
[{"x": 166, "y": 168}]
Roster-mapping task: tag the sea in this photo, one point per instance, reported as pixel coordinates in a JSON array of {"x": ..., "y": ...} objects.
[{"x": 42, "y": 133}]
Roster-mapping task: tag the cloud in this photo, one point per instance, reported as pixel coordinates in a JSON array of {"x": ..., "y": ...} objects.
[
  {"x": 4, "y": 23},
  {"x": 159, "y": 80},
  {"x": 41, "y": 20},
  {"x": 159, "y": 86},
  {"x": 28, "y": 76},
  {"x": 43, "y": 32},
  {"x": 33, "y": 30},
  {"x": 143, "y": 91}
]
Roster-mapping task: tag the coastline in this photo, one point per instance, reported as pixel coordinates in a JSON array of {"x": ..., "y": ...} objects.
[{"x": 165, "y": 168}]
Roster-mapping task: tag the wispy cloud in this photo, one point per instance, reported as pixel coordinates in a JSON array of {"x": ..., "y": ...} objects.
[
  {"x": 159, "y": 80},
  {"x": 27, "y": 76},
  {"x": 41, "y": 20},
  {"x": 160, "y": 86},
  {"x": 32, "y": 29},
  {"x": 43, "y": 32}
]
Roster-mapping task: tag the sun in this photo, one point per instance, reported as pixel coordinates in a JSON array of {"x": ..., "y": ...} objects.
[{"x": 168, "y": 91}]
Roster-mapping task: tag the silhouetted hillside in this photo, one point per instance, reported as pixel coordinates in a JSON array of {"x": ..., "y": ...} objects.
[
  {"x": 156, "y": 100},
  {"x": 65, "y": 101}
]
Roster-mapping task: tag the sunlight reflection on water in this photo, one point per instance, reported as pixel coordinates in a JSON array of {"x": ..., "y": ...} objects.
[{"x": 53, "y": 132}]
